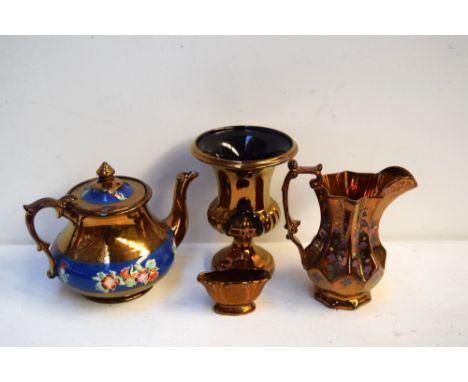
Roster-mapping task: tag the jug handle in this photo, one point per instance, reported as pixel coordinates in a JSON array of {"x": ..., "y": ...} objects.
[
  {"x": 294, "y": 170},
  {"x": 60, "y": 206}
]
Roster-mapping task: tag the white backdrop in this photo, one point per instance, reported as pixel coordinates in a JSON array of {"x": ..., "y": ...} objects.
[{"x": 356, "y": 103}]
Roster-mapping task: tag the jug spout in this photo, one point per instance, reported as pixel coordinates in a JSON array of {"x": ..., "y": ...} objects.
[
  {"x": 177, "y": 219},
  {"x": 395, "y": 181}
]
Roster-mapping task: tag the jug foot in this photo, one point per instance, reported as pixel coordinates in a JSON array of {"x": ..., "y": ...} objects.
[
  {"x": 234, "y": 310},
  {"x": 117, "y": 300},
  {"x": 333, "y": 300},
  {"x": 236, "y": 257}
]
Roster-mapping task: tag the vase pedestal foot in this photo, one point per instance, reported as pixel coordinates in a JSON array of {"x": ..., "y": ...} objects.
[
  {"x": 336, "y": 301},
  {"x": 241, "y": 257},
  {"x": 234, "y": 310}
]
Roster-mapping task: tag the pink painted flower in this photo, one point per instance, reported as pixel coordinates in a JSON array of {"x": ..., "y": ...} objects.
[
  {"x": 143, "y": 277},
  {"x": 109, "y": 282},
  {"x": 363, "y": 245}
]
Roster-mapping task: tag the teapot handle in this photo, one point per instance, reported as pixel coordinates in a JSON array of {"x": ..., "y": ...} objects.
[
  {"x": 294, "y": 170},
  {"x": 60, "y": 206}
]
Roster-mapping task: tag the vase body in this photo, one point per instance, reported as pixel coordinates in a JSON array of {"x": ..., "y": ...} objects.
[
  {"x": 243, "y": 210},
  {"x": 243, "y": 159},
  {"x": 346, "y": 259}
]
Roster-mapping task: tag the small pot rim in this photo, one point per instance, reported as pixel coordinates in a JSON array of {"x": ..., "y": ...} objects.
[{"x": 262, "y": 274}]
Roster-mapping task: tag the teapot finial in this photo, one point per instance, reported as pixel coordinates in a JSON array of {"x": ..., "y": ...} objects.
[{"x": 105, "y": 172}]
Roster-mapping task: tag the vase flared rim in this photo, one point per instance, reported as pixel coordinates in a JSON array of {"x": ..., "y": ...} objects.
[{"x": 223, "y": 147}]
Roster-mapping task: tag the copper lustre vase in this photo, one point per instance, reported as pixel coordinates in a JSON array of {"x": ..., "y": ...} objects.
[
  {"x": 113, "y": 249},
  {"x": 243, "y": 158},
  {"x": 346, "y": 259}
]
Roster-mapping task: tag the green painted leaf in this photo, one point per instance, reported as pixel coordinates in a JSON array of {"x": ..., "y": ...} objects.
[
  {"x": 151, "y": 264},
  {"x": 100, "y": 288},
  {"x": 64, "y": 277},
  {"x": 130, "y": 282},
  {"x": 101, "y": 275},
  {"x": 138, "y": 267},
  {"x": 113, "y": 273}
]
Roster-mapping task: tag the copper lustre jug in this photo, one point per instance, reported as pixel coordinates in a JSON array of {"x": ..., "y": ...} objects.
[
  {"x": 346, "y": 259},
  {"x": 113, "y": 249}
]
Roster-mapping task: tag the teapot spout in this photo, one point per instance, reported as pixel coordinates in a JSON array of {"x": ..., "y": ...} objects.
[
  {"x": 177, "y": 219},
  {"x": 395, "y": 181}
]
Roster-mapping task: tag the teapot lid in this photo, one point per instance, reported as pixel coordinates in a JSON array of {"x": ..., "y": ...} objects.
[{"x": 108, "y": 194}]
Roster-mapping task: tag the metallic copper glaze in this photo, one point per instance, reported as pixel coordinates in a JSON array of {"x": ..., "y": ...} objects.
[
  {"x": 346, "y": 258},
  {"x": 244, "y": 208},
  {"x": 234, "y": 290},
  {"x": 60, "y": 206},
  {"x": 107, "y": 234}
]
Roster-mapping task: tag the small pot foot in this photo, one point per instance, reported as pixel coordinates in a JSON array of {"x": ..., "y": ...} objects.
[
  {"x": 234, "y": 310},
  {"x": 117, "y": 300},
  {"x": 333, "y": 300}
]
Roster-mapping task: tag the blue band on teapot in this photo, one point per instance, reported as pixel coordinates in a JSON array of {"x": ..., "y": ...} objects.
[{"x": 116, "y": 277}]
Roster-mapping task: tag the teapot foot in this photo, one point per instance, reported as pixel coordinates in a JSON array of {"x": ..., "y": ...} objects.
[
  {"x": 336, "y": 301},
  {"x": 234, "y": 310},
  {"x": 117, "y": 300}
]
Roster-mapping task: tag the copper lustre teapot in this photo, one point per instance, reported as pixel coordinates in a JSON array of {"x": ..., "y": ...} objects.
[{"x": 113, "y": 249}]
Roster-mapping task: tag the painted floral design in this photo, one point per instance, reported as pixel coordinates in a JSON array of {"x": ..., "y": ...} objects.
[
  {"x": 336, "y": 258},
  {"x": 374, "y": 227},
  {"x": 341, "y": 246},
  {"x": 63, "y": 275},
  {"x": 118, "y": 195},
  {"x": 362, "y": 260},
  {"x": 345, "y": 282},
  {"x": 129, "y": 277}
]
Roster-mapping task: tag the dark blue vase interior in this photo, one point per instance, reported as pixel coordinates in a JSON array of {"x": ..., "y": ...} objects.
[{"x": 244, "y": 143}]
